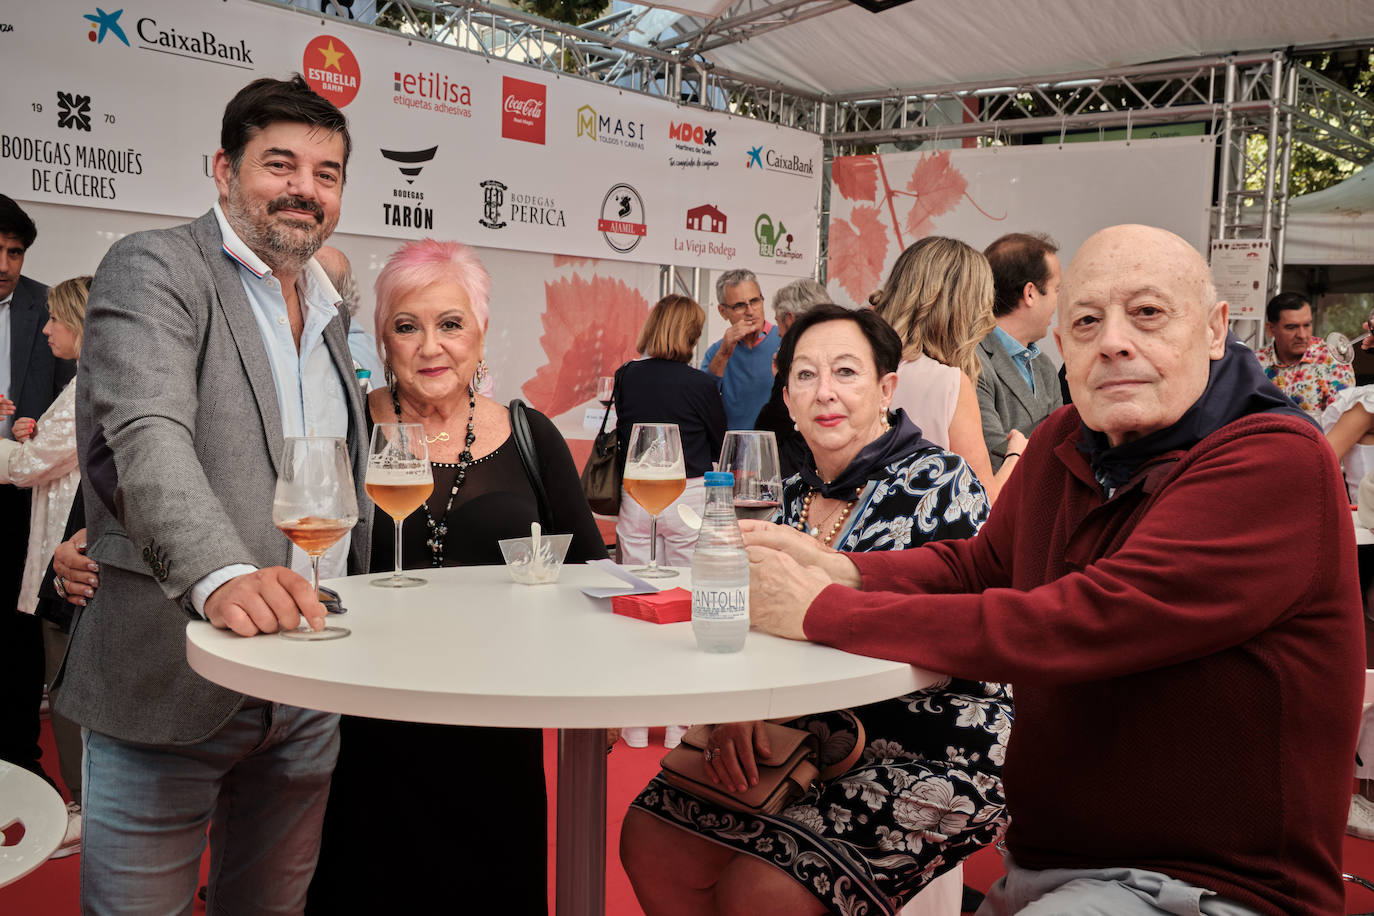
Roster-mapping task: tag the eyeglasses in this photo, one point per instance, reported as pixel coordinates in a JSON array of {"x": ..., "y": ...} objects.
[{"x": 741, "y": 306}]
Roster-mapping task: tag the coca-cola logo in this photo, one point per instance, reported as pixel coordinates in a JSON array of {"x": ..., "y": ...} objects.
[{"x": 522, "y": 113}]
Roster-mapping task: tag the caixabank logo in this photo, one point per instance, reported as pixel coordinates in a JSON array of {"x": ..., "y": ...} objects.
[
  {"x": 774, "y": 161},
  {"x": 522, "y": 110},
  {"x": 623, "y": 223},
  {"x": 330, "y": 68},
  {"x": 180, "y": 38}
]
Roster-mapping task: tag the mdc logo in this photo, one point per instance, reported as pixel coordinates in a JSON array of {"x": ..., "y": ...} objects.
[
  {"x": 691, "y": 133},
  {"x": 331, "y": 69},
  {"x": 522, "y": 110}
]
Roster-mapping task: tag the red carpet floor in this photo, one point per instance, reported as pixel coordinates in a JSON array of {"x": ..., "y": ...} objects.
[{"x": 52, "y": 890}]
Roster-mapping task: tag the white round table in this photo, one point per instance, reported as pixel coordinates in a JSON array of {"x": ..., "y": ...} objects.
[
  {"x": 33, "y": 819},
  {"x": 474, "y": 648}
]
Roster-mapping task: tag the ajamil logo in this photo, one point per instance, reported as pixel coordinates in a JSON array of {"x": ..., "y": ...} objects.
[
  {"x": 331, "y": 69},
  {"x": 103, "y": 23},
  {"x": 493, "y": 196},
  {"x": 774, "y": 240},
  {"x": 410, "y": 162},
  {"x": 432, "y": 91},
  {"x": 623, "y": 223},
  {"x": 74, "y": 111},
  {"x": 522, "y": 110},
  {"x": 610, "y": 130}
]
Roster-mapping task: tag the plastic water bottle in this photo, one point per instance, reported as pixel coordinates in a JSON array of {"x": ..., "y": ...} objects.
[
  {"x": 720, "y": 572},
  {"x": 364, "y": 382}
]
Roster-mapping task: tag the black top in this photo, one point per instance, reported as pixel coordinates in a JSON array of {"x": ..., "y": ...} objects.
[
  {"x": 666, "y": 391},
  {"x": 793, "y": 452},
  {"x": 496, "y": 502}
]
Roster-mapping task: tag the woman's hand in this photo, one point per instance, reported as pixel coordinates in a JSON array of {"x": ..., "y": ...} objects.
[
  {"x": 1016, "y": 443},
  {"x": 23, "y": 428},
  {"x": 6, "y": 407},
  {"x": 76, "y": 573},
  {"x": 734, "y": 750}
]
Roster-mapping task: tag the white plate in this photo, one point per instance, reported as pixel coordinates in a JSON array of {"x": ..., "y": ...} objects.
[{"x": 26, "y": 798}]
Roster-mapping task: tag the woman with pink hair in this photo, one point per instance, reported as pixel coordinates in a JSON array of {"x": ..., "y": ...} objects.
[{"x": 450, "y": 807}]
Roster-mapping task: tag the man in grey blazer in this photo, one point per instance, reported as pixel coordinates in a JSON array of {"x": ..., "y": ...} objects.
[
  {"x": 205, "y": 346},
  {"x": 1018, "y": 387},
  {"x": 30, "y": 379}
]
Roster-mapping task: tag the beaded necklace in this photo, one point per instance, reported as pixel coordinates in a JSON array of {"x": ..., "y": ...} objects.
[
  {"x": 439, "y": 530},
  {"x": 815, "y": 532}
]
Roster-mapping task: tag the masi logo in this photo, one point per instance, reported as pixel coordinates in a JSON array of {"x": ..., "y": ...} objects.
[
  {"x": 406, "y": 208},
  {"x": 154, "y": 36},
  {"x": 611, "y": 130},
  {"x": 774, "y": 240},
  {"x": 528, "y": 209},
  {"x": 522, "y": 110},
  {"x": 331, "y": 69}
]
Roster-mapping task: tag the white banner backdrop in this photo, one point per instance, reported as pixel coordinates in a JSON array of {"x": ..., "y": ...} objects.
[
  {"x": 879, "y": 205},
  {"x": 121, "y": 107}
]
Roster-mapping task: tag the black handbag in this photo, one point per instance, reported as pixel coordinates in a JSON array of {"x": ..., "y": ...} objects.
[
  {"x": 601, "y": 475},
  {"x": 529, "y": 458}
]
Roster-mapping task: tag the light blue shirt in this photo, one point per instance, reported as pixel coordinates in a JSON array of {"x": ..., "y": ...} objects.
[
  {"x": 310, "y": 393},
  {"x": 1020, "y": 355},
  {"x": 364, "y": 349}
]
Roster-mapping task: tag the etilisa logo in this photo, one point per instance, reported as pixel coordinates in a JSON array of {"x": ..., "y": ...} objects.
[
  {"x": 622, "y": 223},
  {"x": 500, "y": 210},
  {"x": 104, "y": 24},
  {"x": 609, "y": 129},
  {"x": 774, "y": 240},
  {"x": 522, "y": 110},
  {"x": 407, "y": 209},
  {"x": 74, "y": 111},
  {"x": 331, "y": 69},
  {"x": 432, "y": 91},
  {"x": 203, "y": 45}
]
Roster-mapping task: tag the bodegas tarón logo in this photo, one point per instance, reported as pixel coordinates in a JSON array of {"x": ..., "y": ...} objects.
[
  {"x": 410, "y": 162},
  {"x": 623, "y": 223},
  {"x": 406, "y": 208},
  {"x": 331, "y": 69},
  {"x": 499, "y": 208},
  {"x": 522, "y": 110}
]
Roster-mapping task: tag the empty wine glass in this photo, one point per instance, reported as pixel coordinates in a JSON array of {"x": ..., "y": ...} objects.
[
  {"x": 1342, "y": 348},
  {"x": 315, "y": 505},
  {"x": 655, "y": 476},
  {"x": 398, "y": 479},
  {"x": 752, "y": 456}
]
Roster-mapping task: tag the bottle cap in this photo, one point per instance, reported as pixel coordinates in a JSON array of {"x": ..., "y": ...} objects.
[
  {"x": 720, "y": 479},
  {"x": 363, "y": 373}
]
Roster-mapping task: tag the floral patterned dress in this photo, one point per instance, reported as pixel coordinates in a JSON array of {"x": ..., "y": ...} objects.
[{"x": 926, "y": 791}]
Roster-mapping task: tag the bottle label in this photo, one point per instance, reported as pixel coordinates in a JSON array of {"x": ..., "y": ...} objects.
[{"x": 710, "y": 603}]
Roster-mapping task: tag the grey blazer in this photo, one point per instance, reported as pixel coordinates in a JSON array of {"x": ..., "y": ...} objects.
[
  {"x": 175, "y": 387},
  {"x": 1006, "y": 401}
]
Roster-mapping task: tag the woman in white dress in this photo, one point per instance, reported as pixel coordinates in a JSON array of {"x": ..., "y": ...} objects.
[
  {"x": 938, "y": 298},
  {"x": 42, "y": 456}
]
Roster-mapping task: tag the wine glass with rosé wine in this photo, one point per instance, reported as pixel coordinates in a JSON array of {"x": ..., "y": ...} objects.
[
  {"x": 655, "y": 476},
  {"x": 399, "y": 480},
  {"x": 315, "y": 505}
]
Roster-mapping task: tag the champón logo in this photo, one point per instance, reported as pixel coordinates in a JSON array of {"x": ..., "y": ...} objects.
[
  {"x": 522, "y": 110},
  {"x": 622, "y": 223},
  {"x": 774, "y": 240},
  {"x": 331, "y": 69}
]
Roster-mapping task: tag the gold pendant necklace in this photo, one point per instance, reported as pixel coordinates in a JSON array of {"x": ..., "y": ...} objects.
[
  {"x": 814, "y": 531},
  {"x": 442, "y": 437}
]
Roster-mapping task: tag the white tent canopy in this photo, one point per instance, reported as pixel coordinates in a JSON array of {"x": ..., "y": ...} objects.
[
  {"x": 1334, "y": 227},
  {"x": 836, "y": 48}
]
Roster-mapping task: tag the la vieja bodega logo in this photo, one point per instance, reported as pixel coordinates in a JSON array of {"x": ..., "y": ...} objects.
[
  {"x": 522, "y": 110},
  {"x": 331, "y": 69}
]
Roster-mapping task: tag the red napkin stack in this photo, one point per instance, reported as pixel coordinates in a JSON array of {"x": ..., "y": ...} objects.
[{"x": 671, "y": 606}]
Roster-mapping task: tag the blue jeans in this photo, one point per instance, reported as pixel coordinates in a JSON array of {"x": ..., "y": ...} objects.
[
  {"x": 1118, "y": 891},
  {"x": 260, "y": 784}
]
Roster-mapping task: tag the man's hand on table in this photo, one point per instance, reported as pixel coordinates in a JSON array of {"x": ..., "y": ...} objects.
[
  {"x": 264, "y": 601},
  {"x": 787, "y": 570}
]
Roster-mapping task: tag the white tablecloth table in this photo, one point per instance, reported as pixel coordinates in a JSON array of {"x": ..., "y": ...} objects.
[{"x": 474, "y": 648}]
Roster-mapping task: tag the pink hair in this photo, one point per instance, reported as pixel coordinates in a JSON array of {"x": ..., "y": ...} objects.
[{"x": 416, "y": 265}]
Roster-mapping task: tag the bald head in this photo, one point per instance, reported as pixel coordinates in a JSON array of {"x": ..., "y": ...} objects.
[
  {"x": 1138, "y": 327},
  {"x": 340, "y": 273}
]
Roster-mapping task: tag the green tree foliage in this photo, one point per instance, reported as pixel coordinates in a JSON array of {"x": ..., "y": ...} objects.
[{"x": 573, "y": 12}]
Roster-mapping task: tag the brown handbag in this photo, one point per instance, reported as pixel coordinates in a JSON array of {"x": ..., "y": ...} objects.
[{"x": 784, "y": 776}]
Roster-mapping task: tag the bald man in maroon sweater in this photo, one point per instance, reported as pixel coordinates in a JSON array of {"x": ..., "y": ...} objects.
[{"x": 1187, "y": 696}]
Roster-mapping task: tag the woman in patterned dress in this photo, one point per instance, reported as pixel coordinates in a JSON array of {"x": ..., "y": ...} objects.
[{"x": 927, "y": 790}]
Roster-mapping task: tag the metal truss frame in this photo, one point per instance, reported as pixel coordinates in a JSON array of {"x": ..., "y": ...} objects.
[{"x": 1242, "y": 96}]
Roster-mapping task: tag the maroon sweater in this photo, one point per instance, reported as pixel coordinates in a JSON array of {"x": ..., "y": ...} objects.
[{"x": 1188, "y": 656}]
